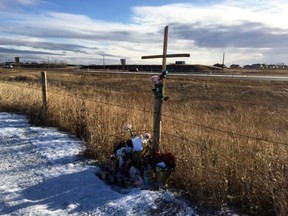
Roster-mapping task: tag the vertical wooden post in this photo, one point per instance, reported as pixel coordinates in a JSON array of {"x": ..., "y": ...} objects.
[
  {"x": 165, "y": 44},
  {"x": 157, "y": 124},
  {"x": 158, "y": 103},
  {"x": 44, "y": 96}
]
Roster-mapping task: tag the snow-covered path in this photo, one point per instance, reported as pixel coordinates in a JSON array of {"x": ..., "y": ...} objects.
[{"x": 41, "y": 174}]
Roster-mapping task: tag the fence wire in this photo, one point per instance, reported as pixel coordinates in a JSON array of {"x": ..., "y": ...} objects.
[{"x": 179, "y": 120}]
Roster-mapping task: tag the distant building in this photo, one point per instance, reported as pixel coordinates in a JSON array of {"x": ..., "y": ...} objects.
[
  {"x": 247, "y": 66},
  {"x": 272, "y": 66},
  {"x": 220, "y": 65},
  {"x": 235, "y": 66},
  {"x": 180, "y": 62},
  {"x": 7, "y": 65},
  {"x": 257, "y": 66}
]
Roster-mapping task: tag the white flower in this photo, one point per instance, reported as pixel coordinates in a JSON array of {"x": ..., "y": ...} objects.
[
  {"x": 128, "y": 127},
  {"x": 147, "y": 136}
]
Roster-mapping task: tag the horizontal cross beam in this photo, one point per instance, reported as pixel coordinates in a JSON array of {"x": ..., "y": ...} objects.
[{"x": 167, "y": 56}]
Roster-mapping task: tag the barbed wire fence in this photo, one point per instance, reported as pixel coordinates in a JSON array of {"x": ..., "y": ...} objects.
[
  {"x": 205, "y": 170},
  {"x": 175, "y": 119}
]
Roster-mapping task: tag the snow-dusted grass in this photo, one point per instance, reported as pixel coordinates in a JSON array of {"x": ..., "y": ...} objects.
[
  {"x": 215, "y": 167},
  {"x": 41, "y": 174}
]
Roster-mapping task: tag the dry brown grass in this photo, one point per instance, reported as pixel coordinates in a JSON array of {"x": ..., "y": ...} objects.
[{"x": 229, "y": 136}]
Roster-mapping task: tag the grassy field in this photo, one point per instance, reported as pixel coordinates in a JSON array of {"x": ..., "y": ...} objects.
[{"x": 229, "y": 136}]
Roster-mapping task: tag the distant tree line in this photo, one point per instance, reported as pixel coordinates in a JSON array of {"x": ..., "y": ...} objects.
[
  {"x": 54, "y": 64},
  {"x": 254, "y": 66},
  {"x": 185, "y": 68}
]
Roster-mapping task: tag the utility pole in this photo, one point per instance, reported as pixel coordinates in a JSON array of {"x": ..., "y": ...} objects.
[
  {"x": 223, "y": 62},
  {"x": 104, "y": 60}
]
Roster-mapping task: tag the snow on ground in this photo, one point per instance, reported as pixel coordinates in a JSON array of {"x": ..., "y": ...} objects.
[{"x": 41, "y": 174}]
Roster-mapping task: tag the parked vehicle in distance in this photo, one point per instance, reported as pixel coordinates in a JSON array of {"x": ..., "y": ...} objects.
[
  {"x": 7, "y": 66},
  {"x": 134, "y": 70}
]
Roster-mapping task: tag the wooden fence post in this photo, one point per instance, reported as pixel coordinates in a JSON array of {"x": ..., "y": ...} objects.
[{"x": 44, "y": 96}]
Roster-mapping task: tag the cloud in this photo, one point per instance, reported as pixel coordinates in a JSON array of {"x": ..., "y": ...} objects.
[
  {"x": 42, "y": 45},
  {"x": 221, "y": 12},
  {"x": 23, "y": 52},
  {"x": 27, "y": 2},
  {"x": 244, "y": 35},
  {"x": 250, "y": 31},
  {"x": 12, "y": 5},
  {"x": 72, "y": 26},
  {"x": 115, "y": 39},
  {"x": 204, "y": 30}
]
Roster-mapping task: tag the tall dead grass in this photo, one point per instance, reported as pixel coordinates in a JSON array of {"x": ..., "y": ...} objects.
[{"x": 229, "y": 136}]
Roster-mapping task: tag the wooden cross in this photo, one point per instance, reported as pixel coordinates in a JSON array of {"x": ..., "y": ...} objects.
[{"x": 158, "y": 102}]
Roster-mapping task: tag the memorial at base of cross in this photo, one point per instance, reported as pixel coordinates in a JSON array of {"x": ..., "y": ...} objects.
[
  {"x": 134, "y": 164},
  {"x": 137, "y": 161}
]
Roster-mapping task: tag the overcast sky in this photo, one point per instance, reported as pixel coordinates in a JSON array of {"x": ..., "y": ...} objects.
[{"x": 81, "y": 32}]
